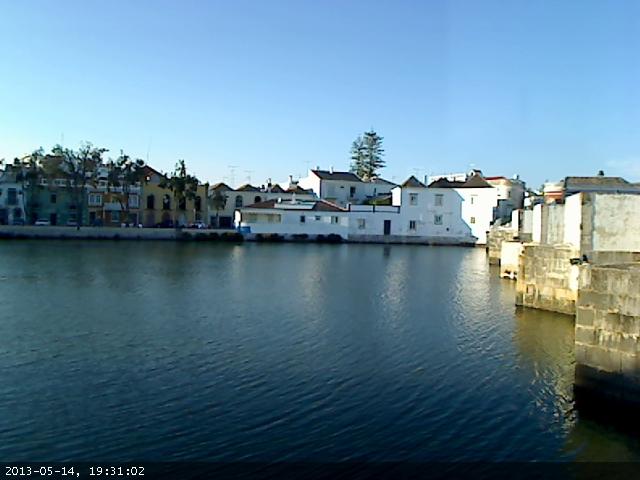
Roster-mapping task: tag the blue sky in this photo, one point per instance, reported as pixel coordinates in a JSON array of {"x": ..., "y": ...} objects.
[{"x": 540, "y": 88}]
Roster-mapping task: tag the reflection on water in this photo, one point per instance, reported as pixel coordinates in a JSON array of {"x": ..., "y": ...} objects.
[{"x": 148, "y": 351}]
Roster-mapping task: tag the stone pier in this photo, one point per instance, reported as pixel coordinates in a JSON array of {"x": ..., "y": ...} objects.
[
  {"x": 548, "y": 278},
  {"x": 608, "y": 334},
  {"x": 495, "y": 237}
]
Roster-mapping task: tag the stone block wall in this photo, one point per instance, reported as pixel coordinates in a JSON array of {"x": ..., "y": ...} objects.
[
  {"x": 510, "y": 259},
  {"x": 608, "y": 333},
  {"x": 546, "y": 278},
  {"x": 495, "y": 237}
]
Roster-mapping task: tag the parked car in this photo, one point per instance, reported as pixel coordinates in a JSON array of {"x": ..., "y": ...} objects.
[
  {"x": 42, "y": 222},
  {"x": 72, "y": 223},
  {"x": 18, "y": 221},
  {"x": 198, "y": 225}
]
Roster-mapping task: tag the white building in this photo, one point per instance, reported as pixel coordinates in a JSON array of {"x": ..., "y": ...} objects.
[
  {"x": 12, "y": 198},
  {"x": 510, "y": 194},
  {"x": 293, "y": 217},
  {"x": 343, "y": 188},
  {"x": 417, "y": 215},
  {"x": 247, "y": 195},
  {"x": 474, "y": 204}
]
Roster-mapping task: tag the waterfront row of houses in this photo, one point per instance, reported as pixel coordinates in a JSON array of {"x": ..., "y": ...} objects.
[{"x": 448, "y": 209}]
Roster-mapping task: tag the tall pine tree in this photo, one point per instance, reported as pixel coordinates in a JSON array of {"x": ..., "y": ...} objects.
[
  {"x": 367, "y": 155},
  {"x": 358, "y": 157}
]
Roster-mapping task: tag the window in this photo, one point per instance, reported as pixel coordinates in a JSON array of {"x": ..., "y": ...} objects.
[
  {"x": 362, "y": 224},
  {"x": 352, "y": 192},
  {"x": 318, "y": 218},
  {"x": 437, "y": 219},
  {"x": 303, "y": 219},
  {"x": 413, "y": 199},
  {"x": 473, "y": 219},
  {"x": 412, "y": 224},
  {"x": 151, "y": 202},
  {"x": 258, "y": 199},
  {"x": 182, "y": 203},
  {"x": 53, "y": 198},
  {"x": 197, "y": 204},
  {"x": 134, "y": 201},
  {"x": 335, "y": 220},
  {"x": 95, "y": 200},
  {"x": 439, "y": 197},
  {"x": 166, "y": 202},
  {"x": 12, "y": 196},
  {"x": 115, "y": 216},
  {"x": 473, "y": 199},
  {"x": 17, "y": 213},
  {"x": 238, "y": 201}
]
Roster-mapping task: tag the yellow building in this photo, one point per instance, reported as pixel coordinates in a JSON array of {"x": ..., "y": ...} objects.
[{"x": 160, "y": 207}]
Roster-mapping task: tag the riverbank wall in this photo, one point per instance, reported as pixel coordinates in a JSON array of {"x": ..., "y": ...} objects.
[
  {"x": 114, "y": 233},
  {"x": 185, "y": 234},
  {"x": 607, "y": 344}
]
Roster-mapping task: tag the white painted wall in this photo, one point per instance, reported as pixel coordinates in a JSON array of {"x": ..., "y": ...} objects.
[
  {"x": 315, "y": 223},
  {"x": 527, "y": 222},
  {"x": 555, "y": 225},
  {"x": 249, "y": 198},
  {"x": 478, "y": 210},
  {"x": 452, "y": 212},
  {"x": 17, "y": 210},
  {"x": 311, "y": 182},
  {"x": 536, "y": 224},
  {"x": 573, "y": 220},
  {"x": 616, "y": 222}
]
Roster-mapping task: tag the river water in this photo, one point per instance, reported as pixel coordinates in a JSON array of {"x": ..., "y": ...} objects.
[{"x": 174, "y": 351}]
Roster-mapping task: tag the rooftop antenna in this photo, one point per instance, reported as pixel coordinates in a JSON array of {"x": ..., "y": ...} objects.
[
  {"x": 148, "y": 148},
  {"x": 232, "y": 175}
]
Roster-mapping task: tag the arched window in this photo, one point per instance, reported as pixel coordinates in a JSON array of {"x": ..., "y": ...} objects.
[
  {"x": 151, "y": 202},
  {"x": 198, "y": 204},
  {"x": 166, "y": 202},
  {"x": 238, "y": 201},
  {"x": 258, "y": 199}
]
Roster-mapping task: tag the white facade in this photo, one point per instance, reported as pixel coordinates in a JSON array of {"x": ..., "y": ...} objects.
[
  {"x": 418, "y": 214},
  {"x": 12, "y": 199},
  {"x": 292, "y": 218},
  {"x": 343, "y": 188},
  {"x": 470, "y": 210},
  {"x": 237, "y": 199},
  {"x": 436, "y": 213},
  {"x": 598, "y": 222}
]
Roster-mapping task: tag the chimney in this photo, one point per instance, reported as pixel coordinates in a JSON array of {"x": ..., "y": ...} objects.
[
  {"x": 290, "y": 179},
  {"x": 317, "y": 167},
  {"x": 331, "y": 169}
]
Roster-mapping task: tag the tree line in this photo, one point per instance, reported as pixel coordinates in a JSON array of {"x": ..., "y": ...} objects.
[{"x": 80, "y": 168}]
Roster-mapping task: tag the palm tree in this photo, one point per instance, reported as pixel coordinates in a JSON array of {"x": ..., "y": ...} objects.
[
  {"x": 184, "y": 187},
  {"x": 218, "y": 202}
]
